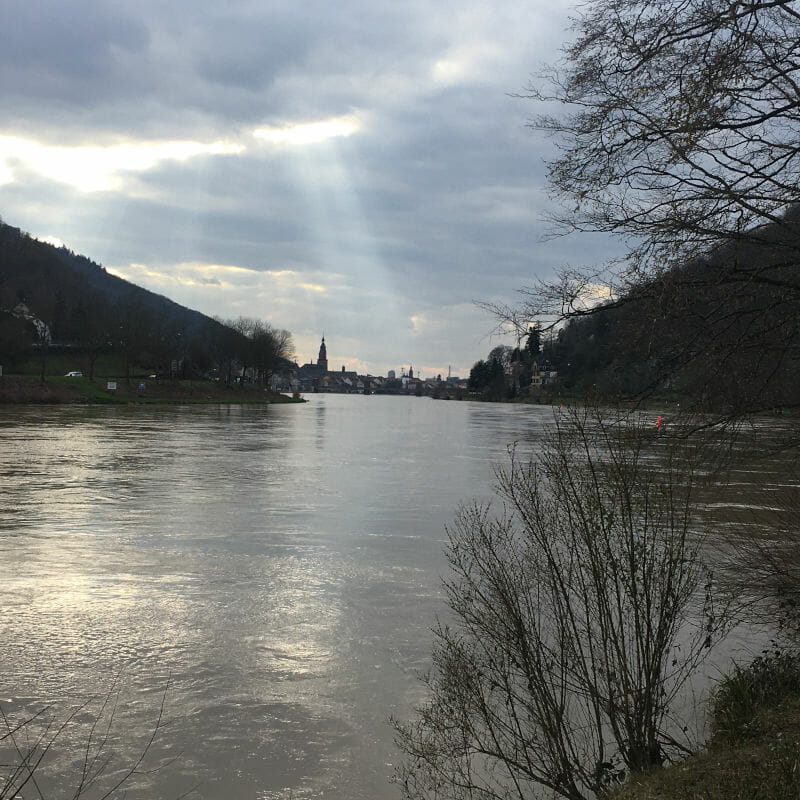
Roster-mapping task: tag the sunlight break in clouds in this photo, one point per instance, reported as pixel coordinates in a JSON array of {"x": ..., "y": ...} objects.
[
  {"x": 211, "y": 288},
  {"x": 592, "y": 294},
  {"x": 53, "y": 240},
  {"x": 310, "y": 132},
  {"x": 193, "y": 274},
  {"x": 93, "y": 168}
]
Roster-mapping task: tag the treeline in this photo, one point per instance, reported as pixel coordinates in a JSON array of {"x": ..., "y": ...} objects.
[
  {"x": 721, "y": 333},
  {"x": 507, "y": 373},
  {"x": 54, "y": 301}
]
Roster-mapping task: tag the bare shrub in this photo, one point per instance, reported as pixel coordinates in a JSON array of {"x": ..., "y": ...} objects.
[
  {"x": 579, "y": 611},
  {"x": 89, "y": 734}
]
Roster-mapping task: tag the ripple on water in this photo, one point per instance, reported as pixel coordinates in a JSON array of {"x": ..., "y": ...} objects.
[{"x": 274, "y": 570}]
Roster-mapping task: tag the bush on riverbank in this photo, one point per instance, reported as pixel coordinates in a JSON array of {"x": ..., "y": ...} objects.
[
  {"x": 754, "y": 748},
  {"x": 580, "y": 609},
  {"x": 754, "y": 751}
]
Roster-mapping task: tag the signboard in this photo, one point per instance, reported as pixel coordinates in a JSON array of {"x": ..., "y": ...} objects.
[{"x": 111, "y": 386}]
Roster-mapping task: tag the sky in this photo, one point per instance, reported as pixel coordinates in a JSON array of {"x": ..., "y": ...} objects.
[{"x": 361, "y": 169}]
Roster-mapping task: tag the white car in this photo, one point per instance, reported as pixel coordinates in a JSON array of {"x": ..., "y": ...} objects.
[{"x": 74, "y": 374}]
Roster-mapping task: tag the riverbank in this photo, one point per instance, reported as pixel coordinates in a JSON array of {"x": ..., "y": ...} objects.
[
  {"x": 25, "y": 390},
  {"x": 754, "y": 750}
]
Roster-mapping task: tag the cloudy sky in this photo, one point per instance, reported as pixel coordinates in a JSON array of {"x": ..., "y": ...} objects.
[{"x": 358, "y": 168}]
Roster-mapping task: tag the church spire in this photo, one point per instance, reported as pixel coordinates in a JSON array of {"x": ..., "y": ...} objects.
[{"x": 322, "y": 360}]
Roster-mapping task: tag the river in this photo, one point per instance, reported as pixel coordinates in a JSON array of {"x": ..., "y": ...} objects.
[
  {"x": 272, "y": 572},
  {"x": 269, "y": 574}
]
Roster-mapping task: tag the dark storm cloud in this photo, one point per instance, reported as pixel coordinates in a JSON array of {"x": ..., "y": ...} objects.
[
  {"x": 151, "y": 66},
  {"x": 67, "y": 53},
  {"x": 429, "y": 194},
  {"x": 250, "y": 50},
  {"x": 251, "y": 58}
]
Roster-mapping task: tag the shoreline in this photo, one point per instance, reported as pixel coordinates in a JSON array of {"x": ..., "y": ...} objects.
[{"x": 26, "y": 390}]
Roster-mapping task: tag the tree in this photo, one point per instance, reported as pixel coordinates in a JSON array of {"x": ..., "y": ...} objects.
[
  {"x": 578, "y": 614},
  {"x": 502, "y": 354},
  {"x": 43, "y": 342},
  {"x": 534, "y": 341},
  {"x": 271, "y": 347},
  {"x": 226, "y": 344},
  {"x": 131, "y": 322},
  {"x": 684, "y": 129},
  {"x": 91, "y": 327},
  {"x": 488, "y": 378},
  {"x": 681, "y": 135},
  {"x": 261, "y": 347}
]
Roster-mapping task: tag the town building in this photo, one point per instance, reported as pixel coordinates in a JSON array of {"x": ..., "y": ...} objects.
[{"x": 318, "y": 377}]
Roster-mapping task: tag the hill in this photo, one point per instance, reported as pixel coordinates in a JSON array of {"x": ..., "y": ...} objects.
[
  {"x": 54, "y": 302},
  {"x": 720, "y": 332},
  {"x": 63, "y": 289}
]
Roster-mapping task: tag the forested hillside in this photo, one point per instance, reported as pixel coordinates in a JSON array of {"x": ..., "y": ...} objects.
[
  {"x": 52, "y": 300},
  {"x": 721, "y": 332}
]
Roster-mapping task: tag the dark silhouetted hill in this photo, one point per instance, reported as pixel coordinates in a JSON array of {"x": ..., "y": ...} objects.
[
  {"x": 62, "y": 289},
  {"x": 722, "y": 332}
]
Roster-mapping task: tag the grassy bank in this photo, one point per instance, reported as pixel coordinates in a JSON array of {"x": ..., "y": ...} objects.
[
  {"x": 754, "y": 750},
  {"x": 24, "y": 389}
]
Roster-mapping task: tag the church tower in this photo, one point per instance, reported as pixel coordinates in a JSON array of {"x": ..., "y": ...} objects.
[{"x": 322, "y": 361}]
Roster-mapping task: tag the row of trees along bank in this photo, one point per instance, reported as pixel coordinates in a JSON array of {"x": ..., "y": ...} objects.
[
  {"x": 137, "y": 340},
  {"x": 54, "y": 302},
  {"x": 508, "y": 373}
]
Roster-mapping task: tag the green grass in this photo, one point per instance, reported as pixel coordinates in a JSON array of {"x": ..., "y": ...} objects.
[
  {"x": 184, "y": 392},
  {"x": 106, "y": 365},
  {"x": 92, "y": 391},
  {"x": 754, "y": 752}
]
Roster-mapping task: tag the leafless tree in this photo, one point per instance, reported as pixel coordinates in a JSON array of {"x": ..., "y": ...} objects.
[
  {"x": 678, "y": 130},
  {"x": 578, "y": 614},
  {"x": 683, "y": 123},
  {"x": 28, "y": 743},
  {"x": 261, "y": 346}
]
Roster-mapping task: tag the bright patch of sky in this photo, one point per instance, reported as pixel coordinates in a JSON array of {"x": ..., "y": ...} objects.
[
  {"x": 360, "y": 168},
  {"x": 94, "y": 168},
  {"x": 307, "y": 133}
]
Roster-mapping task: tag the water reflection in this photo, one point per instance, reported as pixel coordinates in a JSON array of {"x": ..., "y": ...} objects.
[
  {"x": 278, "y": 568},
  {"x": 319, "y": 416}
]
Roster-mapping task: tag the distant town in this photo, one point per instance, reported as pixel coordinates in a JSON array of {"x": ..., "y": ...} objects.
[{"x": 318, "y": 377}]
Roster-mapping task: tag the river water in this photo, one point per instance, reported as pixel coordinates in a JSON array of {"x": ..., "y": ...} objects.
[{"x": 270, "y": 573}]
